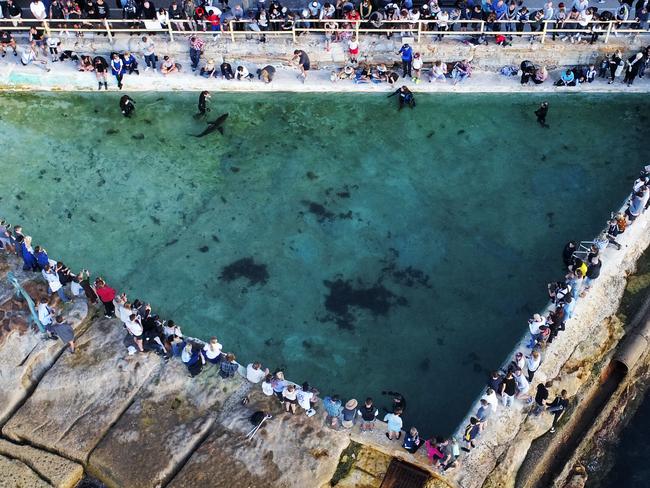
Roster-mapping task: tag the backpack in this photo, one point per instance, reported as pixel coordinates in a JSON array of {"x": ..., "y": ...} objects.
[{"x": 468, "y": 432}]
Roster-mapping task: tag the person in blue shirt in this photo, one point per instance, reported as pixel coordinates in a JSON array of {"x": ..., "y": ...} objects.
[
  {"x": 130, "y": 63},
  {"x": 26, "y": 252},
  {"x": 41, "y": 257},
  {"x": 117, "y": 68},
  {"x": 567, "y": 79},
  {"x": 407, "y": 60},
  {"x": 412, "y": 441}
]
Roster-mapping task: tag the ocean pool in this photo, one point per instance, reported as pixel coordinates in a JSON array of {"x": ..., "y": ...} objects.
[{"x": 356, "y": 247}]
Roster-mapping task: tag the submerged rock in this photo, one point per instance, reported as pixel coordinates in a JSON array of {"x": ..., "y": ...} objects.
[
  {"x": 376, "y": 299},
  {"x": 245, "y": 268}
]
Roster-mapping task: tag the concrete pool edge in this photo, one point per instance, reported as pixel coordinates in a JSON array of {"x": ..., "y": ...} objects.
[{"x": 65, "y": 78}]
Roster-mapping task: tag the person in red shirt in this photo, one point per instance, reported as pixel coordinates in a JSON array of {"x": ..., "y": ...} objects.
[
  {"x": 353, "y": 16},
  {"x": 106, "y": 294}
]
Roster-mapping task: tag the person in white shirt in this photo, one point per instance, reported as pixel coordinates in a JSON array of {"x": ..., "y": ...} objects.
[
  {"x": 532, "y": 364},
  {"x": 53, "y": 282},
  {"x": 45, "y": 313},
  {"x": 491, "y": 397},
  {"x": 307, "y": 398},
  {"x": 243, "y": 74},
  {"x": 212, "y": 351},
  {"x": 255, "y": 373},
  {"x": 38, "y": 10},
  {"x": 267, "y": 387},
  {"x": 134, "y": 326}
]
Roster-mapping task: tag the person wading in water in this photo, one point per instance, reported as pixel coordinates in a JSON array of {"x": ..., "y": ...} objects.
[
  {"x": 203, "y": 103},
  {"x": 541, "y": 114}
]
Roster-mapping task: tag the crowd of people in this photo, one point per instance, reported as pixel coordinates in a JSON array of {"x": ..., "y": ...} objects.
[
  {"x": 340, "y": 18},
  {"x": 411, "y": 64},
  {"x": 147, "y": 332}
]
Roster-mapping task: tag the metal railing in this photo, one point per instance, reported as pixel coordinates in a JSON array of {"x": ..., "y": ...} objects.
[{"x": 340, "y": 29}]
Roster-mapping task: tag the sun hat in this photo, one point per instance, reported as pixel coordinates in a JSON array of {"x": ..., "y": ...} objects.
[{"x": 351, "y": 404}]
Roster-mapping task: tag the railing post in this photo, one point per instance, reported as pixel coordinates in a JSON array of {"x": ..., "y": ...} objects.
[
  {"x": 232, "y": 31},
  {"x": 419, "y": 30},
  {"x": 482, "y": 27},
  {"x": 293, "y": 32},
  {"x": 171, "y": 31},
  {"x": 356, "y": 30},
  {"x": 108, "y": 31},
  {"x": 609, "y": 30},
  {"x": 544, "y": 31},
  {"x": 46, "y": 26}
]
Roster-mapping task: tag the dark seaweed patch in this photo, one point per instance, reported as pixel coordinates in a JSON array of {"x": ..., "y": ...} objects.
[
  {"x": 245, "y": 268},
  {"x": 215, "y": 238},
  {"x": 110, "y": 132},
  {"x": 311, "y": 175},
  {"x": 319, "y": 211},
  {"x": 138, "y": 137},
  {"x": 154, "y": 219},
  {"x": 204, "y": 248},
  {"x": 234, "y": 169},
  {"x": 343, "y": 296},
  {"x": 171, "y": 243}
]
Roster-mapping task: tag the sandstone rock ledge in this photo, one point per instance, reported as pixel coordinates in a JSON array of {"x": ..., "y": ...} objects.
[
  {"x": 24, "y": 355},
  {"x": 54, "y": 470},
  {"x": 166, "y": 422},
  {"x": 83, "y": 394},
  {"x": 289, "y": 451}
]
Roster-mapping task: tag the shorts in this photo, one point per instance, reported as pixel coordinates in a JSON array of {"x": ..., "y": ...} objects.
[{"x": 293, "y": 402}]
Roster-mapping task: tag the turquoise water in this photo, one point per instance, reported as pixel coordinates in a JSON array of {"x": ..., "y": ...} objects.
[{"x": 360, "y": 248}]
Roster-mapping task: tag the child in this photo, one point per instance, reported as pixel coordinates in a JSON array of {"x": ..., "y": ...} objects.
[
  {"x": 53, "y": 44},
  {"x": 353, "y": 46},
  {"x": 417, "y": 67}
]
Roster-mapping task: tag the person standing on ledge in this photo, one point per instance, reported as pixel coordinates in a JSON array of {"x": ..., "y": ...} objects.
[
  {"x": 407, "y": 60},
  {"x": 64, "y": 332},
  {"x": 540, "y": 113},
  {"x": 557, "y": 408},
  {"x": 302, "y": 59}
]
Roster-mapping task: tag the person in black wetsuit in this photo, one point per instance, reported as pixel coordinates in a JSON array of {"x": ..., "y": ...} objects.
[
  {"x": 101, "y": 69},
  {"x": 541, "y": 114},
  {"x": 405, "y": 97},
  {"x": 203, "y": 101},
  {"x": 127, "y": 105}
]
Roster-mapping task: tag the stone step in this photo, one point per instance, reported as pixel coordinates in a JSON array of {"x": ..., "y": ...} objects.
[
  {"x": 83, "y": 394},
  {"x": 58, "y": 471},
  {"x": 15, "y": 474}
]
